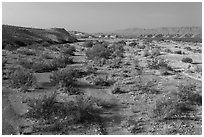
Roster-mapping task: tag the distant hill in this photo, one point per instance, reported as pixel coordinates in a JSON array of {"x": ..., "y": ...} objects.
[
  {"x": 133, "y": 32},
  {"x": 15, "y": 36}
]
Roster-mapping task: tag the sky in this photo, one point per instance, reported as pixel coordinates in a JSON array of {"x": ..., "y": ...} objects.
[{"x": 100, "y": 16}]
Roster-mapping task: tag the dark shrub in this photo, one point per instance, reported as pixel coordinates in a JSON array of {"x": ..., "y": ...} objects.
[
  {"x": 116, "y": 63},
  {"x": 144, "y": 86},
  {"x": 4, "y": 61},
  {"x": 133, "y": 44},
  {"x": 26, "y": 63},
  {"x": 22, "y": 78},
  {"x": 117, "y": 50},
  {"x": 62, "y": 60},
  {"x": 178, "y": 52},
  {"x": 69, "y": 51},
  {"x": 157, "y": 63},
  {"x": 102, "y": 81},
  {"x": 88, "y": 44},
  {"x": 65, "y": 77},
  {"x": 155, "y": 52},
  {"x": 146, "y": 53},
  {"x": 47, "y": 56},
  {"x": 26, "y": 51},
  {"x": 98, "y": 51},
  {"x": 178, "y": 105},
  {"x": 121, "y": 42},
  {"x": 141, "y": 46},
  {"x": 44, "y": 66},
  {"x": 48, "y": 112},
  {"x": 187, "y": 60},
  {"x": 90, "y": 69},
  {"x": 188, "y": 48},
  {"x": 168, "y": 50}
]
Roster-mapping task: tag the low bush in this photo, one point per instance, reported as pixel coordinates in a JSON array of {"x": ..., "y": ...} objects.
[
  {"x": 69, "y": 51},
  {"x": 97, "y": 52},
  {"x": 62, "y": 61},
  {"x": 22, "y": 78},
  {"x": 187, "y": 60},
  {"x": 158, "y": 63},
  {"x": 178, "y": 52},
  {"x": 133, "y": 44},
  {"x": 88, "y": 44},
  {"x": 116, "y": 50},
  {"x": 41, "y": 65},
  {"x": 144, "y": 86},
  {"x": 103, "y": 81},
  {"x": 116, "y": 63},
  {"x": 168, "y": 51},
  {"x": 28, "y": 64},
  {"x": 146, "y": 53},
  {"x": 188, "y": 48},
  {"x": 51, "y": 115},
  {"x": 90, "y": 69},
  {"x": 44, "y": 66},
  {"x": 179, "y": 104},
  {"x": 26, "y": 51},
  {"x": 155, "y": 52},
  {"x": 4, "y": 61},
  {"x": 141, "y": 46},
  {"x": 65, "y": 77},
  {"x": 47, "y": 55}
]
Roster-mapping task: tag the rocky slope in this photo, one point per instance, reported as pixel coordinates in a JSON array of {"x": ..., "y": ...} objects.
[{"x": 15, "y": 36}]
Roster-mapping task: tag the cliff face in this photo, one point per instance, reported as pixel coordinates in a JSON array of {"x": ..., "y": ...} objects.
[
  {"x": 164, "y": 30},
  {"x": 21, "y": 36}
]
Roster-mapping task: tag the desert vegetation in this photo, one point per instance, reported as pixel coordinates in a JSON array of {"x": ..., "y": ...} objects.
[{"x": 100, "y": 86}]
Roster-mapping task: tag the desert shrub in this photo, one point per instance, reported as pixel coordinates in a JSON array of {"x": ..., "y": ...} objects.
[
  {"x": 155, "y": 52},
  {"x": 22, "y": 78},
  {"x": 198, "y": 69},
  {"x": 121, "y": 42},
  {"x": 69, "y": 51},
  {"x": 168, "y": 50},
  {"x": 88, "y": 44},
  {"x": 117, "y": 50},
  {"x": 52, "y": 115},
  {"x": 197, "y": 50},
  {"x": 187, "y": 60},
  {"x": 62, "y": 60},
  {"x": 144, "y": 86},
  {"x": 178, "y": 104},
  {"x": 141, "y": 46},
  {"x": 178, "y": 52},
  {"x": 26, "y": 51},
  {"x": 116, "y": 63},
  {"x": 103, "y": 81},
  {"x": 41, "y": 65},
  {"x": 188, "y": 48},
  {"x": 157, "y": 63},
  {"x": 133, "y": 44},
  {"x": 146, "y": 53},
  {"x": 90, "y": 69},
  {"x": 4, "y": 61},
  {"x": 97, "y": 52},
  {"x": 26, "y": 63},
  {"x": 65, "y": 79},
  {"x": 47, "y": 55},
  {"x": 44, "y": 66}
]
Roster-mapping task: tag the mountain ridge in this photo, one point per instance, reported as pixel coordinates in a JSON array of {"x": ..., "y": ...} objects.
[{"x": 195, "y": 30}]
